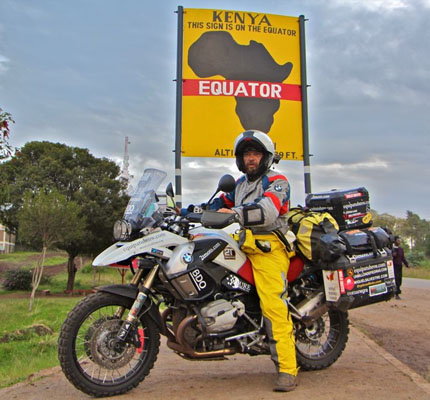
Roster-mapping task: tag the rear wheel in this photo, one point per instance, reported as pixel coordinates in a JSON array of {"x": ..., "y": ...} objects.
[
  {"x": 319, "y": 345},
  {"x": 87, "y": 353}
]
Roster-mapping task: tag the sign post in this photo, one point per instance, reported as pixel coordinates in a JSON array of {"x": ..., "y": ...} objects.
[
  {"x": 178, "y": 133},
  {"x": 304, "y": 88}
]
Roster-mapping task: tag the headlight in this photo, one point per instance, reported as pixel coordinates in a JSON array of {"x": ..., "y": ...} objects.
[{"x": 122, "y": 230}]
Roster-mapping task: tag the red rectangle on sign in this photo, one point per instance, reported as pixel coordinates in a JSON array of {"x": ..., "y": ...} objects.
[{"x": 263, "y": 90}]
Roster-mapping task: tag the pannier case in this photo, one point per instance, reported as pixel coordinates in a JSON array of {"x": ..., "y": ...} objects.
[
  {"x": 350, "y": 208},
  {"x": 359, "y": 280}
]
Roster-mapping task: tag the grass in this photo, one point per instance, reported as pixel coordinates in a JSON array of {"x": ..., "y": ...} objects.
[
  {"x": 85, "y": 279},
  {"x": 25, "y": 355},
  {"x": 420, "y": 272},
  {"x": 21, "y": 358},
  {"x": 28, "y": 260},
  {"x": 18, "y": 256}
]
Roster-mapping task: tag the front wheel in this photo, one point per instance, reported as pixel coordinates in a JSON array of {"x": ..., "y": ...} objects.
[
  {"x": 86, "y": 352},
  {"x": 319, "y": 345}
]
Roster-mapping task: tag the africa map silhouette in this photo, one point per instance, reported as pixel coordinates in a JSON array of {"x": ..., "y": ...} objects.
[{"x": 217, "y": 53}]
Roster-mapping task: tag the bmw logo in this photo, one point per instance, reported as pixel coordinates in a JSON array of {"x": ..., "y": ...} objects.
[{"x": 187, "y": 257}]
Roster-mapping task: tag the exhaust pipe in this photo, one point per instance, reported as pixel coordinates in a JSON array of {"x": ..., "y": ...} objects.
[
  {"x": 312, "y": 308},
  {"x": 179, "y": 344}
]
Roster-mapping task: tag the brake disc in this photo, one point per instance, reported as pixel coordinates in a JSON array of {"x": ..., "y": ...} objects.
[
  {"x": 312, "y": 333},
  {"x": 103, "y": 351}
]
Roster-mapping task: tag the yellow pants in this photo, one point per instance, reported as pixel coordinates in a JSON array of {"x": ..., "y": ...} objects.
[{"x": 270, "y": 275}]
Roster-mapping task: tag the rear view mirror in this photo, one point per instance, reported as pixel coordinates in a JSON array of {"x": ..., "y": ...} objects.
[
  {"x": 169, "y": 190},
  {"x": 226, "y": 184}
]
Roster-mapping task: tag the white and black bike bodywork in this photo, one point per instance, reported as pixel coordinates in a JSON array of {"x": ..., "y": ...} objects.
[{"x": 194, "y": 285}]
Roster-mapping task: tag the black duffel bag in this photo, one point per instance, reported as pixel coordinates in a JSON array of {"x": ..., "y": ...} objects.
[{"x": 359, "y": 241}]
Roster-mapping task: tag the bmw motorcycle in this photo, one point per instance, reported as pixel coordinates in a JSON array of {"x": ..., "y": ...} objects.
[{"x": 193, "y": 284}]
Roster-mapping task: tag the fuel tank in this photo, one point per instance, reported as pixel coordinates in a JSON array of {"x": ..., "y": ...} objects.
[
  {"x": 231, "y": 257},
  {"x": 209, "y": 247}
]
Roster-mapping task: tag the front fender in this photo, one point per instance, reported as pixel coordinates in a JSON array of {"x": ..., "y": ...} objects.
[
  {"x": 131, "y": 292},
  {"x": 128, "y": 291}
]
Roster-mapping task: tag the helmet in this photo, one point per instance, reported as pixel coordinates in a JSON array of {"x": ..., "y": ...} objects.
[{"x": 259, "y": 141}]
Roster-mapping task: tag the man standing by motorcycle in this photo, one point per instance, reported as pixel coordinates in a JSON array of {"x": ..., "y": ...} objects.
[
  {"x": 260, "y": 198},
  {"x": 398, "y": 260}
]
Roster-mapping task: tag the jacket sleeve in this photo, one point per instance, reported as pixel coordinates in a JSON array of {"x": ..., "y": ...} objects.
[
  {"x": 404, "y": 258},
  {"x": 223, "y": 201},
  {"x": 264, "y": 210}
]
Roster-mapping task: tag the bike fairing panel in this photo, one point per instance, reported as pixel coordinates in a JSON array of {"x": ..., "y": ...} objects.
[
  {"x": 201, "y": 276},
  {"x": 120, "y": 251}
]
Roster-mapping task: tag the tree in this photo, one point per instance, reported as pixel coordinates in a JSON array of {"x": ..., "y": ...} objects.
[
  {"x": 418, "y": 230},
  {"x": 415, "y": 232},
  {"x": 46, "y": 219},
  {"x": 6, "y": 150},
  {"x": 385, "y": 220},
  {"x": 91, "y": 182}
]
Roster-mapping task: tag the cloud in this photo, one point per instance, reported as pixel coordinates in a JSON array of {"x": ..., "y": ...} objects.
[
  {"x": 3, "y": 64},
  {"x": 91, "y": 79},
  {"x": 358, "y": 52},
  {"x": 4, "y": 61},
  {"x": 373, "y": 5},
  {"x": 370, "y": 164}
]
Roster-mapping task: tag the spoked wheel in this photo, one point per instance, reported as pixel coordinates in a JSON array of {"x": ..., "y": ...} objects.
[
  {"x": 89, "y": 355},
  {"x": 321, "y": 344}
]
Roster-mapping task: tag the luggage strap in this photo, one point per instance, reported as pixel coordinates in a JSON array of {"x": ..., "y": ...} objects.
[
  {"x": 372, "y": 242},
  {"x": 283, "y": 239}
]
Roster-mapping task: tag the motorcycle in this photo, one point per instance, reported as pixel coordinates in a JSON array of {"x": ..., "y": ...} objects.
[{"x": 193, "y": 285}]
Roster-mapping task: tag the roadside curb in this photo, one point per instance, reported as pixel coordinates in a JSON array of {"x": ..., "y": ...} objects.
[{"x": 416, "y": 378}]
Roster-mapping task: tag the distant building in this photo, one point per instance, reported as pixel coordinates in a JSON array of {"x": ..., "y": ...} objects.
[{"x": 7, "y": 241}]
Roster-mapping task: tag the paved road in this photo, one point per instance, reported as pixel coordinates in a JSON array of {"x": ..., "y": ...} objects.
[{"x": 416, "y": 283}]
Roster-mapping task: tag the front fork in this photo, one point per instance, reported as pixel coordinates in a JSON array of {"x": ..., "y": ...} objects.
[{"x": 129, "y": 323}]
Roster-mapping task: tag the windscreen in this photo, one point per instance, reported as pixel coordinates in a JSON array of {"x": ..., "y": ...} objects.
[{"x": 143, "y": 200}]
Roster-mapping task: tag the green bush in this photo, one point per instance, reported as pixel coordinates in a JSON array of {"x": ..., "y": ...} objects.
[
  {"x": 46, "y": 280},
  {"x": 87, "y": 269},
  {"x": 18, "y": 279},
  {"x": 416, "y": 258}
]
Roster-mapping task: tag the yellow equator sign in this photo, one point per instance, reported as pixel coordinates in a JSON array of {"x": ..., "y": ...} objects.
[{"x": 241, "y": 70}]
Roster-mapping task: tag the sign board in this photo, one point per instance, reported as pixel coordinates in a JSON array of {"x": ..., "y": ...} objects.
[{"x": 241, "y": 70}]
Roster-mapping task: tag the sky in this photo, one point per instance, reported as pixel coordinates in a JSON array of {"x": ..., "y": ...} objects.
[{"x": 88, "y": 73}]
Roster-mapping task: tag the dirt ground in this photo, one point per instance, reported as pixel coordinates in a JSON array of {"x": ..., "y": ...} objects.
[
  {"x": 401, "y": 327},
  {"x": 50, "y": 270},
  {"x": 368, "y": 368}
]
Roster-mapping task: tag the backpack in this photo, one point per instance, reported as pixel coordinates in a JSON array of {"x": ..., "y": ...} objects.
[{"x": 316, "y": 234}]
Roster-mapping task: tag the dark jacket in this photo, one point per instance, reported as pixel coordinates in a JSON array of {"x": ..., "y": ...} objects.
[{"x": 399, "y": 257}]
